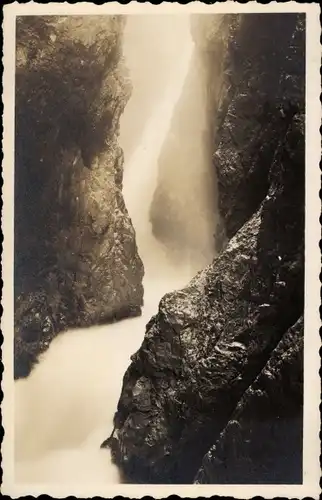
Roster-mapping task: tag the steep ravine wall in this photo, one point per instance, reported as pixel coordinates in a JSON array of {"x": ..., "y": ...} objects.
[
  {"x": 214, "y": 394},
  {"x": 76, "y": 260}
]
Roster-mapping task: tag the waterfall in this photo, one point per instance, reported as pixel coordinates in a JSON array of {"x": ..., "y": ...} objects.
[{"x": 64, "y": 409}]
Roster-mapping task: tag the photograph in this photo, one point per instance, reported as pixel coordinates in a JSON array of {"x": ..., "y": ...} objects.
[{"x": 160, "y": 259}]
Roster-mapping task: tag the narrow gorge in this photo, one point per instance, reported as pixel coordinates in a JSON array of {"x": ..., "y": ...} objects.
[{"x": 159, "y": 248}]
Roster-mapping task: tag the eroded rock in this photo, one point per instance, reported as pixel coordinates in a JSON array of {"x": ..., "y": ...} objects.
[
  {"x": 76, "y": 260},
  {"x": 267, "y": 420}
]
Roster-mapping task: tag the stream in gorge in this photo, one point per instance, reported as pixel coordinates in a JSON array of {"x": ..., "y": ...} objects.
[{"x": 64, "y": 409}]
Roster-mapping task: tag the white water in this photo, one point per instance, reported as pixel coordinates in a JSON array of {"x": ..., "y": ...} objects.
[{"x": 64, "y": 410}]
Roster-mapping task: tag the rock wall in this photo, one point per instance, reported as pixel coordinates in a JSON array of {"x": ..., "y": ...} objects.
[
  {"x": 262, "y": 82},
  {"x": 266, "y": 421},
  {"x": 76, "y": 260},
  {"x": 215, "y": 392}
]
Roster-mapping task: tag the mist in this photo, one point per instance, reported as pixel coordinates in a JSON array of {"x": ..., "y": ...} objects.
[{"x": 64, "y": 409}]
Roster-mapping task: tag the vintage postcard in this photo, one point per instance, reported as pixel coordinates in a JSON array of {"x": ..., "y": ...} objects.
[{"x": 160, "y": 260}]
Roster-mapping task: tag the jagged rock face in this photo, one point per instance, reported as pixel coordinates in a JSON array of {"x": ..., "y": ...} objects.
[
  {"x": 262, "y": 85},
  {"x": 221, "y": 358},
  {"x": 76, "y": 261},
  {"x": 267, "y": 419}
]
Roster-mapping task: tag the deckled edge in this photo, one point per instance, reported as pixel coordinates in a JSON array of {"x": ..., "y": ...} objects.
[{"x": 165, "y": 492}]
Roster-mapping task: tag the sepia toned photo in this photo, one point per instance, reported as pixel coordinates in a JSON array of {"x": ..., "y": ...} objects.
[{"x": 161, "y": 260}]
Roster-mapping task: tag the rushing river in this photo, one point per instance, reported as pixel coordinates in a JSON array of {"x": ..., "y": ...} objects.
[{"x": 64, "y": 409}]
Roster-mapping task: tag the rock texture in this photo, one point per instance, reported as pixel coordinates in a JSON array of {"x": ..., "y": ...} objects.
[
  {"x": 76, "y": 261},
  {"x": 263, "y": 77},
  {"x": 267, "y": 419},
  {"x": 214, "y": 394}
]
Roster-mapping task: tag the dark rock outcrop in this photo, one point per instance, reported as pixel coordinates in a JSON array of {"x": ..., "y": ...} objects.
[
  {"x": 263, "y": 76},
  {"x": 220, "y": 367},
  {"x": 76, "y": 261},
  {"x": 267, "y": 419}
]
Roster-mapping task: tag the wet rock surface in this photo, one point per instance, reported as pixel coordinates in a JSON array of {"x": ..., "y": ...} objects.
[
  {"x": 76, "y": 260},
  {"x": 263, "y": 80},
  {"x": 216, "y": 386},
  {"x": 251, "y": 449}
]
